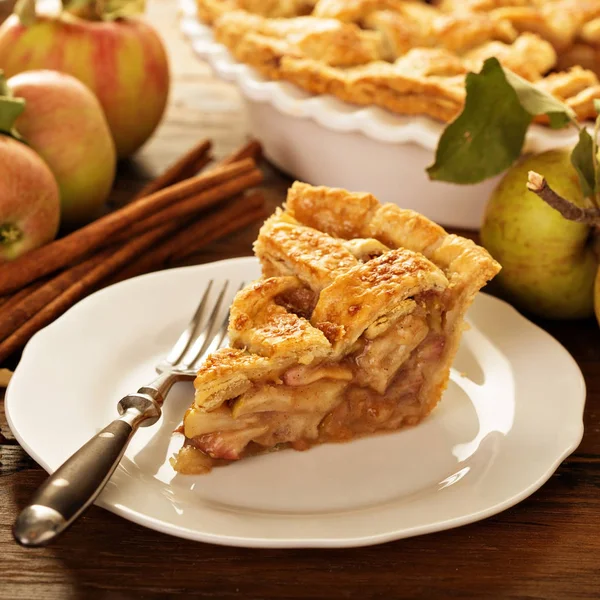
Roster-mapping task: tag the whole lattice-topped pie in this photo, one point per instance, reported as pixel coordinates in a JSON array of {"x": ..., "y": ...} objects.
[
  {"x": 351, "y": 329},
  {"x": 411, "y": 57}
]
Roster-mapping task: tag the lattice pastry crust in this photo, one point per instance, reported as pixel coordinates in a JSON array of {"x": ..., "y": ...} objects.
[{"x": 409, "y": 56}]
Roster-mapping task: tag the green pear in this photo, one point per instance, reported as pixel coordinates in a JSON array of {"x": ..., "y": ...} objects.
[{"x": 548, "y": 264}]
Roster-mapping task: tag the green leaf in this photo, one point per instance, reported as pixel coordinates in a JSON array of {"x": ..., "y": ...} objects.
[
  {"x": 537, "y": 102},
  {"x": 595, "y": 160},
  {"x": 582, "y": 158},
  {"x": 10, "y": 109},
  {"x": 4, "y": 89},
  {"x": 597, "y": 105},
  {"x": 488, "y": 135}
]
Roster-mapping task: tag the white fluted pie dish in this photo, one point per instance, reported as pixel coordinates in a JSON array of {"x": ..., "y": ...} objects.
[{"x": 324, "y": 141}]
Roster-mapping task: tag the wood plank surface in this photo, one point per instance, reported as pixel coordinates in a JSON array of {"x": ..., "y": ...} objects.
[{"x": 548, "y": 546}]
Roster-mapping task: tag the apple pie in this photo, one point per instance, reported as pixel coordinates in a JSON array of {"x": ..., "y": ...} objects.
[
  {"x": 351, "y": 329},
  {"x": 409, "y": 56}
]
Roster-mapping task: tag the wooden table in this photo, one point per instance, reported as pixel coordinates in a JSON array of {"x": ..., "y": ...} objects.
[{"x": 546, "y": 547}]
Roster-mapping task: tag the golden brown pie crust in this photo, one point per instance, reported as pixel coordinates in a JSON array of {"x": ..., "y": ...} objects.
[{"x": 409, "y": 56}]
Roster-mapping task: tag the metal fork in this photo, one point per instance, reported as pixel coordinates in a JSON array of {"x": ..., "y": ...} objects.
[{"x": 64, "y": 496}]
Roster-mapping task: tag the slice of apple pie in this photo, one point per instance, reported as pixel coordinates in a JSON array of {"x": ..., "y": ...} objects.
[{"x": 351, "y": 330}]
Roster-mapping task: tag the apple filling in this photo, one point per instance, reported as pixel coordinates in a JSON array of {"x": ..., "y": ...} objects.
[{"x": 376, "y": 387}]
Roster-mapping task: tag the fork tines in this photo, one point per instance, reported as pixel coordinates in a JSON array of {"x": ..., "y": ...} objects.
[{"x": 207, "y": 331}]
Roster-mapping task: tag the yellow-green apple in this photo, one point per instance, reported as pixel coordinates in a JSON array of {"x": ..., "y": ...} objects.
[
  {"x": 548, "y": 263},
  {"x": 29, "y": 204},
  {"x": 123, "y": 61},
  {"x": 64, "y": 123}
]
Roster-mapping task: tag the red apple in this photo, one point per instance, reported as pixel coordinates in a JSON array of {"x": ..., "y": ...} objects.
[
  {"x": 64, "y": 123},
  {"x": 122, "y": 61},
  {"x": 29, "y": 204}
]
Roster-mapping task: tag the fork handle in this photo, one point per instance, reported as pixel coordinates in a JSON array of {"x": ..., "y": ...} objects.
[{"x": 63, "y": 497}]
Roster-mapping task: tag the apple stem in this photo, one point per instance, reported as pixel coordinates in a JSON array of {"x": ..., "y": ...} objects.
[
  {"x": 537, "y": 184},
  {"x": 84, "y": 9},
  {"x": 9, "y": 234},
  {"x": 25, "y": 10},
  {"x": 104, "y": 10}
]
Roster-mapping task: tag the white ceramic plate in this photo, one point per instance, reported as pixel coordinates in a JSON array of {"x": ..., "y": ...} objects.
[
  {"x": 324, "y": 141},
  {"x": 511, "y": 414}
]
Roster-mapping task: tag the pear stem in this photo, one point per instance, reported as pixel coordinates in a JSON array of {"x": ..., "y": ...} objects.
[{"x": 538, "y": 185}]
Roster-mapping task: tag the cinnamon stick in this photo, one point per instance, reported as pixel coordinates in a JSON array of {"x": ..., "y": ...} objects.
[
  {"x": 156, "y": 259},
  {"x": 11, "y": 299},
  {"x": 194, "y": 204},
  {"x": 193, "y": 161},
  {"x": 95, "y": 273},
  {"x": 251, "y": 149},
  {"x": 239, "y": 212},
  {"x": 195, "y": 167},
  {"x": 213, "y": 186},
  {"x": 23, "y": 311},
  {"x": 100, "y": 267},
  {"x": 28, "y": 302},
  {"x": 189, "y": 164}
]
